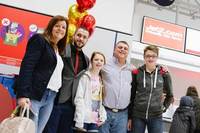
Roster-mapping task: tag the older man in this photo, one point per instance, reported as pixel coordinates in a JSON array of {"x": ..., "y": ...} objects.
[{"x": 117, "y": 78}]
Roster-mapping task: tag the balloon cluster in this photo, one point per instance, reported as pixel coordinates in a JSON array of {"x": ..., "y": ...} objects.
[{"x": 79, "y": 17}]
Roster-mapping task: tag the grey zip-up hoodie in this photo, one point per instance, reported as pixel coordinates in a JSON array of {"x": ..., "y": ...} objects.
[{"x": 147, "y": 93}]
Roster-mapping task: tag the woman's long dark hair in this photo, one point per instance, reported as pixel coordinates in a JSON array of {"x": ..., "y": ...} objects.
[
  {"x": 192, "y": 91},
  {"x": 48, "y": 33}
]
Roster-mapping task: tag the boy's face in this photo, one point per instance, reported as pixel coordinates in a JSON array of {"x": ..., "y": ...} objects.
[{"x": 150, "y": 58}]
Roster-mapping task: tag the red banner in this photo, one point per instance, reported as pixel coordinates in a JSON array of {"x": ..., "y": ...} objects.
[
  {"x": 163, "y": 34},
  {"x": 16, "y": 27}
]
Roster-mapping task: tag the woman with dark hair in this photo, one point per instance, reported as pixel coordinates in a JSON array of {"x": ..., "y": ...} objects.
[
  {"x": 40, "y": 75},
  {"x": 192, "y": 91}
]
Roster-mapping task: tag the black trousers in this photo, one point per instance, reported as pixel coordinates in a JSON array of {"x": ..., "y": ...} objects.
[{"x": 61, "y": 119}]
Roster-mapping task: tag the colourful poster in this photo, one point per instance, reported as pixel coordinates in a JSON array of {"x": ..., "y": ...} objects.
[{"x": 16, "y": 27}]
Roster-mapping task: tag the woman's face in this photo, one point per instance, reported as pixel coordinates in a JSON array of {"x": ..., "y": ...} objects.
[
  {"x": 58, "y": 31},
  {"x": 98, "y": 62}
]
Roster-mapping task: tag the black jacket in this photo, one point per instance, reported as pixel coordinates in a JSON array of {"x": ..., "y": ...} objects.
[
  {"x": 70, "y": 79},
  {"x": 183, "y": 120},
  {"x": 36, "y": 69},
  {"x": 197, "y": 111},
  {"x": 146, "y": 94}
]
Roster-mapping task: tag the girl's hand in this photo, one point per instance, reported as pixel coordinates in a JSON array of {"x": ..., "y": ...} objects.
[{"x": 100, "y": 123}]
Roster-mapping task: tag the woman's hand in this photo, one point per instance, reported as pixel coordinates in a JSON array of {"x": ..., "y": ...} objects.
[{"x": 24, "y": 102}]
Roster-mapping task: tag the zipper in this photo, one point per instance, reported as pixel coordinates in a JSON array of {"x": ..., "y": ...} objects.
[{"x": 147, "y": 111}]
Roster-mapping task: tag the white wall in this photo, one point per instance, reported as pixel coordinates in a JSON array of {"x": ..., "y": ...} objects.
[
  {"x": 111, "y": 14},
  {"x": 102, "y": 41},
  {"x": 114, "y": 14},
  {"x": 50, "y": 7}
]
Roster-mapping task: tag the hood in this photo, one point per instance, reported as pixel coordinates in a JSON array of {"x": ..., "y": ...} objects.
[{"x": 186, "y": 101}]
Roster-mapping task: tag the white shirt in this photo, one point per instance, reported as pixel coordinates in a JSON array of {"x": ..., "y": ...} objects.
[
  {"x": 117, "y": 81},
  {"x": 55, "y": 81}
]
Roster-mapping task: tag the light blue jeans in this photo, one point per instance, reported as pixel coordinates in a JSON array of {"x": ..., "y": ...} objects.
[
  {"x": 154, "y": 125},
  {"x": 42, "y": 109},
  {"x": 115, "y": 123}
]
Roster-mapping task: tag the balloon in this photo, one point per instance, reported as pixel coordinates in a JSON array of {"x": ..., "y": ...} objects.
[
  {"x": 70, "y": 32},
  {"x": 91, "y": 30},
  {"x": 85, "y": 4},
  {"x": 164, "y": 2},
  {"x": 74, "y": 15},
  {"x": 88, "y": 22}
]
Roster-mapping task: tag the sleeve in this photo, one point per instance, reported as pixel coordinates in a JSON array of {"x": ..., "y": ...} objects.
[
  {"x": 32, "y": 55},
  {"x": 133, "y": 93},
  {"x": 168, "y": 90},
  {"x": 102, "y": 113},
  {"x": 192, "y": 122},
  {"x": 79, "y": 104}
]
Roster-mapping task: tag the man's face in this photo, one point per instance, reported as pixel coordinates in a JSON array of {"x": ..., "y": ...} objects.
[
  {"x": 121, "y": 51},
  {"x": 80, "y": 38},
  {"x": 150, "y": 58}
]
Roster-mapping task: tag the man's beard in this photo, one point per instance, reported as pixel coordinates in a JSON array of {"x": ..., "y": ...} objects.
[{"x": 78, "y": 47}]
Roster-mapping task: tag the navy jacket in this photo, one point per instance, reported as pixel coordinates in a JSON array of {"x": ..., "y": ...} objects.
[
  {"x": 36, "y": 69},
  {"x": 184, "y": 117}
]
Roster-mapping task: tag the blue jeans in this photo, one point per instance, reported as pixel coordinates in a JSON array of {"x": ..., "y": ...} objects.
[
  {"x": 115, "y": 123},
  {"x": 61, "y": 119},
  {"x": 89, "y": 127},
  {"x": 42, "y": 109},
  {"x": 154, "y": 125}
]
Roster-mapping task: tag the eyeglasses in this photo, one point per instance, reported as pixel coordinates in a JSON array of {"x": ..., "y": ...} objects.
[{"x": 151, "y": 56}]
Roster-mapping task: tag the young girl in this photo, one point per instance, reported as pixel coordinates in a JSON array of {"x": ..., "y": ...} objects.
[{"x": 90, "y": 113}]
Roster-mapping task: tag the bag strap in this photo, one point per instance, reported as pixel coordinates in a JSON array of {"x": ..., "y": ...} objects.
[
  {"x": 21, "y": 111},
  {"x": 15, "y": 111},
  {"x": 25, "y": 109}
]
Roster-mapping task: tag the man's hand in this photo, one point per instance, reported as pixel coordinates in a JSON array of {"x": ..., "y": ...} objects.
[{"x": 129, "y": 126}]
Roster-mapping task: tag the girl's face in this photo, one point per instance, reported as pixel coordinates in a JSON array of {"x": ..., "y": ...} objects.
[
  {"x": 97, "y": 62},
  {"x": 59, "y": 30}
]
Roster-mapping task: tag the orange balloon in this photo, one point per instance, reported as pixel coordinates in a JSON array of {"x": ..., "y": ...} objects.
[
  {"x": 75, "y": 15},
  {"x": 70, "y": 32}
]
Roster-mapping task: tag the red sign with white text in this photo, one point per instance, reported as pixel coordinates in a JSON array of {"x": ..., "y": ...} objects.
[
  {"x": 163, "y": 34},
  {"x": 16, "y": 27}
]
